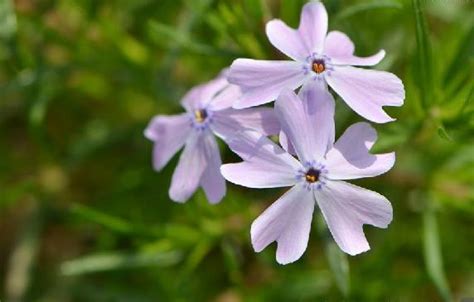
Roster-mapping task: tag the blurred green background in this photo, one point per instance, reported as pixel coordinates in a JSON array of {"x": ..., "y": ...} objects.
[{"x": 83, "y": 217}]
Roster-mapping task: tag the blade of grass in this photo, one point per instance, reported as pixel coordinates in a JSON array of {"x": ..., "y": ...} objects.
[
  {"x": 337, "y": 260},
  {"x": 23, "y": 255},
  {"x": 339, "y": 266},
  {"x": 462, "y": 55},
  {"x": 424, "y": 61},
  {"x": 116, "y": 261},
  {"x": 363, "y": 7},
  {"x": 432, "y": 254}
]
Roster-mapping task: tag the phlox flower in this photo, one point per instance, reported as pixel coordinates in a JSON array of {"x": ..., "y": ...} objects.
[
  {"x": 316, "y": 177},
  {"x": 208, "y": 114},
  {"x": 327, "y": 59}
]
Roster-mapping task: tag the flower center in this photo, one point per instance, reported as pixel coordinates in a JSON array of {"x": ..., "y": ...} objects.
[
  {"x": 200, "y": 115},
  {"x": 318, "y": 66},
  {"x": 312, "y": 175}
]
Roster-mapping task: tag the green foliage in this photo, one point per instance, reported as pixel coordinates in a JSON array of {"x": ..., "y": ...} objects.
[{"x": 83, "y": 216}]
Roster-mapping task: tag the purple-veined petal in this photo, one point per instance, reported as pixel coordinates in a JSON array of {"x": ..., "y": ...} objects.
[
  {"x": 265, "y": 164},
  {"x": 287, "y": 40},
  {"x": 350, "y": 157},
  {"x": 286, "y": 144},
  {"x": 192, "y": 163},
  {"x": 226, "y": 98},
  {"x": 288, "y": 222},
  {"x": 366, "y": 91},
  {"x": 346, "y": 208},
  {"x": 314, "y": 26},
  {"x": 262, "y": 81},
  {"x": 200, "y": 96},
  {"x": 230, "y": 121},
  {"x": 212, "y": 180},
  {"x": 169, "y": 134},
  {"x": 341, "y": 51},
  {"x": 308, "y": 121}
]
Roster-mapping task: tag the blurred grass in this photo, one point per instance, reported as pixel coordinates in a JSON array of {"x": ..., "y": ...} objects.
[{"x": 79, "y": 81}]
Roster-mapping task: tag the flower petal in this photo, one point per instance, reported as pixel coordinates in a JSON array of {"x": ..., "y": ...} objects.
[
  {"x": 287, "y": 40},
  {"x": 192, "y": 163},
  {"x": 288, "y": 222},
  {"x": 262, "y": 81},
  {"x": 308, "y": 121},
  {"x": 314, "y": 26},
  {"x": 226, "y": 98},
  {"x": 265, "y": 164},
  {"x": 346, "y": 208},
  {"x": 350, "y": 157},
  {"x": 230, "y": 121},
  {"x": 340, "y": 49},
  {"x": 212, "y": 180},
  {"x": 286, "y": 144},
  {"x": 169, "y": 134},
  {"x": 200, "y": 96},
  {"x": 366, "y": 91}
]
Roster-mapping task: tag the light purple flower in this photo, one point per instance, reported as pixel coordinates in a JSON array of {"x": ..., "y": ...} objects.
[
  {"x": 308, "y": 122},
  {"x": 208, "y": 113},
  {"x": 316, "y": 56}
]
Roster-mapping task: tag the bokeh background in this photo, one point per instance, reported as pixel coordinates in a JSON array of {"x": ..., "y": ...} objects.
[{"x": 83, "y": 217}]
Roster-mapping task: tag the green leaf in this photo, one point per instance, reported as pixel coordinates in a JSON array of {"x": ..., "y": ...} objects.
[
  {"x": 8, "y": 24},
  {"x": 339, "y": 266},
  {"x": 443, "y": 133},
  {"x": 432, "y": 254},
  {"x": 111, "y": 222},
  {"x": 116, "y": 261},
  {"x": 363, "y": 7},
  {"x": 461, "y": 57},
  {"x": 424, "y": 69},
  {"x": 338, "y": 261}
]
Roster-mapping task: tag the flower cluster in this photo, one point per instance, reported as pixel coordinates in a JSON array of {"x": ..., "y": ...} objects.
[{"x": 310, "y": 160}]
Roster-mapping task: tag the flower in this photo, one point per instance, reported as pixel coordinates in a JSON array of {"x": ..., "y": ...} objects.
[
  {"x": 317, "y": 177},
  {"x": 327, "y": 59},
  {"x": 208, "y": 113}
]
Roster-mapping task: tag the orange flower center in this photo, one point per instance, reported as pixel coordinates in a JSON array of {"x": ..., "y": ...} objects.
[
  {"x": 200, "y": 115},
  {"x": 312, "y": 175},
  {"x": 318, "y": 66}
]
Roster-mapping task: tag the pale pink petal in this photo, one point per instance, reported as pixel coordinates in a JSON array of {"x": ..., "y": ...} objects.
[
  {"x": 314, "y": 26},
  {"x": 346, "y": 208},
  {"x": 308, "y": 121},
  {"x": 192, "y": 163},
  {"x": 200, "y": 96},
  {"x": 169, "y": 134},
  {"x": 288, "y": 222},
  {"x": 366, "y": 91},
  {"x": 341, "y": 51},
  {"x": 262, "y": 81},
  {"x": 287, "y": 40},
  {"x": 265, "y": 164},
  {"x": 212, "y": 180},
  {"x": 227, "y": 123},
  {"x": 226, "y": 98},
  {"x": 350, "y": 157}
]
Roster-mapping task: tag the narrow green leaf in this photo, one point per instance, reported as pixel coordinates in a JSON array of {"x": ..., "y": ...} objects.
[
  {"x": 337, "y": 260},
  {"x": 443, "y": 133},
  {"x": 339, "y": 266},
  {"x": 111, "y": 222},
  {"x": 432, "y": 254},
  {"x": 424, "y": 69},
  {"x": 366, "y": 6},
  {"x": 116, "y": 261},
  {"x": 461, "y": 57}
]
